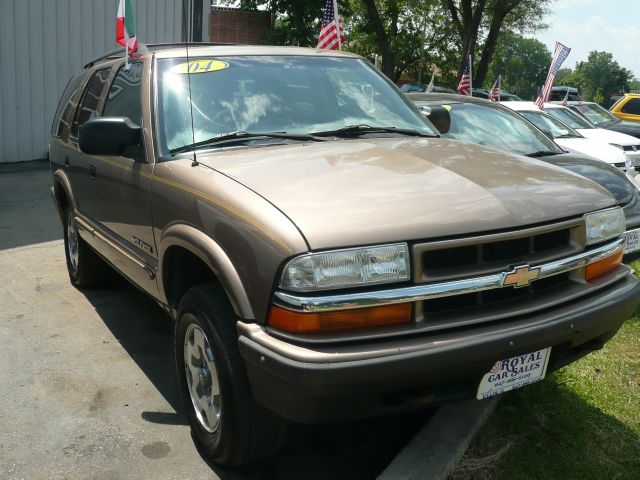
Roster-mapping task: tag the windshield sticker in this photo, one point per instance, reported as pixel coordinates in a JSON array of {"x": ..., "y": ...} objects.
[{"x": 205, "y": 65}]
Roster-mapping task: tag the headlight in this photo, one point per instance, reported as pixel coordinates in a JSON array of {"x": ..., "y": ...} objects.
[
  {"x": 617, "y": 146},
  {"x": 351, "y": 267},
  {"x": 603, "y": 225}
]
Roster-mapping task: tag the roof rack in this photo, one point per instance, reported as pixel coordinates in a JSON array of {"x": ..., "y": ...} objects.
[
  {"x": 114, "y": 54},
  {"x": 161, "y": 46},
  {"x": 151, "y": 47}
]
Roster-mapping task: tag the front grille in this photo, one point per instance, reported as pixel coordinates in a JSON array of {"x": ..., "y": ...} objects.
[
  {"x": 631, "y": 148},
  {"x": 492, "y": 297},
  {"x": 465, "y": 258}
]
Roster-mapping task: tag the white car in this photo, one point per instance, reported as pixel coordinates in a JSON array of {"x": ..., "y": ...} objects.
[
  {"x": 572, "y": 140},
  {"x": 628, "y": 144}
]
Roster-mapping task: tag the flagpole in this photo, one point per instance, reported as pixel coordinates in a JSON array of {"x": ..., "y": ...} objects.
[
  {"x": 336, "y": 20},
  {"x": 470, "y": 78},
  {"x": 126, "y": 41}
]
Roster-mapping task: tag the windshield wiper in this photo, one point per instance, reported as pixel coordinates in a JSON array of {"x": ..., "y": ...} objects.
[
  {"x": 240, "y": 136},
  {"x": 362, "y": 129},
  {"x": 542, "y": 153}
]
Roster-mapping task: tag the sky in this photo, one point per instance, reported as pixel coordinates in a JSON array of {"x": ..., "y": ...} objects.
[{"x": 605, "y": 25}]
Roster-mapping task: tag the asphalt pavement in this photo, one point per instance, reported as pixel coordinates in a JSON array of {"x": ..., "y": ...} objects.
[{"x": 87, "y": 379}]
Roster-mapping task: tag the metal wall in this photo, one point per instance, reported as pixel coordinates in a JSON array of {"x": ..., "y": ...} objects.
[{"x": 43, "y": 43}]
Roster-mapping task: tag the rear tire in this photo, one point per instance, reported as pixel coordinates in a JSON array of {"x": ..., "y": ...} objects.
[
  {"x": 228, "y": 425},
  {"x": 86, "y": 268}
]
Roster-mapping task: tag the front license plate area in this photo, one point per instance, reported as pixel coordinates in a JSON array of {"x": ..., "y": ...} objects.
[
  {"x": 514, "y": 372},
  {"x": 632, "y": 238}
]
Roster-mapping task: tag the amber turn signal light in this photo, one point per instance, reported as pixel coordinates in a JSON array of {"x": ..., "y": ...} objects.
[
  {"x": 599, "y": 268},
  {"x": 300, "y": 322}
]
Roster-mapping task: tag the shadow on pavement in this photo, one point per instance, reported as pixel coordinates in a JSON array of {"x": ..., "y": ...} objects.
[
  {"x": 27, "y": 213},
  {"x": 353, "y": 450}
]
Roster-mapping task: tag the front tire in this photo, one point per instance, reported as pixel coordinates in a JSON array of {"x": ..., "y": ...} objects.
[
  {"x": 85, "y": 268},
  {"x": 229, "y": 426}
]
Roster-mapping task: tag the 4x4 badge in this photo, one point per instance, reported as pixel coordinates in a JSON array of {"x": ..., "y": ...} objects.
[{"x": 520, "y": 276}]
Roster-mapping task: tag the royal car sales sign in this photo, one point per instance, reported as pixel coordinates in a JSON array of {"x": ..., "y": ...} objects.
[{"x": 514, "y": 372}]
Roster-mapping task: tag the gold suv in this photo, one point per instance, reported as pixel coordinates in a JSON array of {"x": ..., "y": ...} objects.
[{"x": 324, "y": 253}]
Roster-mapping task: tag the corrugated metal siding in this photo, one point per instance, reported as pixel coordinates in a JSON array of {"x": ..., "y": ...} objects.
[{"x": 43, "y": 43}]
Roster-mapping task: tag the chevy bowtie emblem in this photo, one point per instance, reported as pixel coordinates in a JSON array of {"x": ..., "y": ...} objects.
[{"x": 520, "y": 276}]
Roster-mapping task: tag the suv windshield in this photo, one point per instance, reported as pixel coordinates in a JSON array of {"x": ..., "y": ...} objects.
[
  {"x": 495, "y": 127},
  {"x": 550, "y": 124},
  {"x": 596, "y": 114},
  {"x": 284, "y": 94},
  {"x": 569, "y": 118}
]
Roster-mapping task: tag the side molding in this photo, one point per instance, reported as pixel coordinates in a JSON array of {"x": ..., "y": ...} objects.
[{"x": 213, "y": 256}]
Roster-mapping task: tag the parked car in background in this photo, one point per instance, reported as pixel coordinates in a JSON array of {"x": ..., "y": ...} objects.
[
  {"x": 422, "y": 87},
  {"x": 509, "y": 97},
  {"x": 628, "y": 107},
  {"x": 559, "y": 92},
  {"x": 489, "y": 123},
  {"x": 324, "y": 253},
  {"x": 628, "y": 144},
  {"x": 572, "y": 141},
  {"x": 603, "y": 118},
  {"x": 504, "y": 96}
]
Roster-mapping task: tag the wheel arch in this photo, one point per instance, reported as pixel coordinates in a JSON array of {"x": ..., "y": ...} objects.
[
  {"x": 186, "y": 248},
  {"x": 62, "y": 193}
]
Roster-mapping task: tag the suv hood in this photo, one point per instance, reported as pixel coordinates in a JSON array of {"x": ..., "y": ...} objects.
[{"x": 369, "y": 191}]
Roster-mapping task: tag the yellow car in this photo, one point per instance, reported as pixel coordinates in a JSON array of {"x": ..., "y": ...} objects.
[{"x": 628, "y": 107}]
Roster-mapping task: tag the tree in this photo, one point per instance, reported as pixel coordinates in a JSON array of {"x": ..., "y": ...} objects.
[
  {"x": 411, "y": 35},
  {"x": 488, "y": 19},
  {"x": 600, "y": 77},
  {"x": 562, "y": 74},
  {"x": 522, "y": 62}
]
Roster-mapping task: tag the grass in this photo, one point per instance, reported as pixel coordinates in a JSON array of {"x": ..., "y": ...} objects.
[{"x": 582, "y": 422}]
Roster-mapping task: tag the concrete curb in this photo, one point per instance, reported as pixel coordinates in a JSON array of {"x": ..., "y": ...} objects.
[{"x": 436, "y": 449}]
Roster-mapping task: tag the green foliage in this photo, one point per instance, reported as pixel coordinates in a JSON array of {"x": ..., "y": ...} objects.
[
  {"x": 523, "y": 64},
  {"x": 600, "y": 77},
  {"x": 634, "y": 85},
  {"x": 418, "y": 34},
  {"x": 562, "y": 74}
]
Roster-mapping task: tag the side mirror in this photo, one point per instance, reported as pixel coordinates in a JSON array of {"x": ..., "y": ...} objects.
[
  {"x": 439, "y": 116},
  {"x": 108, "y": 135}
]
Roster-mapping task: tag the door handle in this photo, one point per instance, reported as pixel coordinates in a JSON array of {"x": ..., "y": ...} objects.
[
  {"x": 92, "y": 171},
  {"x": 66, "y": 160}
]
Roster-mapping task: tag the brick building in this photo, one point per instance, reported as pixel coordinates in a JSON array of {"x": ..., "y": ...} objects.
[{"x": 232, "y": 25}]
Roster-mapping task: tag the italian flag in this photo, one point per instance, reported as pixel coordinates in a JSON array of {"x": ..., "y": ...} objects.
[{"x": 126, "y": 26}]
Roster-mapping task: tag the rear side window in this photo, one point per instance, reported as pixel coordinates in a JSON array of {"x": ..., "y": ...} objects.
[
  {"x": 67, "y": 107},
  {"x": 124, "y": 99},
  {"x": 90, "y": 100},
  {"x": 632, "y": 107}
]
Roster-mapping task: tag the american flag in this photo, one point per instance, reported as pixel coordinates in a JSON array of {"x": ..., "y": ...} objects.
[
  {"x": 494, "y": 93},
  {"x": 464, "y": 87},
  {"x": 328, "y": 38},
  {"x": 559, "y": 56}
]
